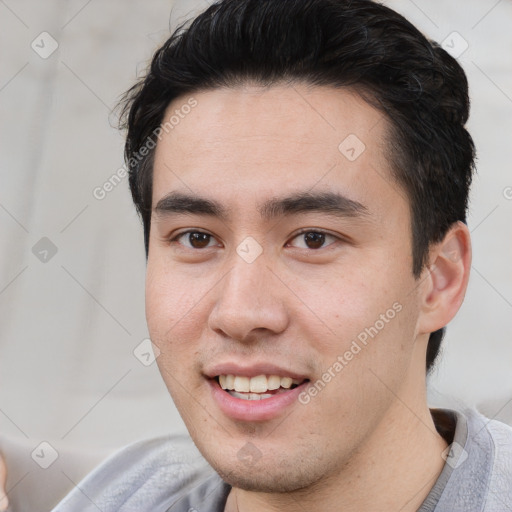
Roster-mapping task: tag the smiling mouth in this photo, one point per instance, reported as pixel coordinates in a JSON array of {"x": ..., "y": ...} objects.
[{"x": 260, "y": 387}]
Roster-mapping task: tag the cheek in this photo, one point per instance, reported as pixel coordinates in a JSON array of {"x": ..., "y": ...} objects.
[
  {"x": 172, "y": 311},
  {"x": 366, "y": 320},
  {"x": 363, "y": 366},
  {"x": 173, "y": 305},
  {"x": 343, "y": 305}
]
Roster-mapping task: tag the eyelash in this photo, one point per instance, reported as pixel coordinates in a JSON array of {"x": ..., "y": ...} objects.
[
  {"x": 179, "y": 235},
  {"x": 302, "y": 232}
]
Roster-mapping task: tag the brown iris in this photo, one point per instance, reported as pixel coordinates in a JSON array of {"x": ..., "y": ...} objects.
[
  {"x": 314, "y": 240},
  {"x": 199, "y": 240}
]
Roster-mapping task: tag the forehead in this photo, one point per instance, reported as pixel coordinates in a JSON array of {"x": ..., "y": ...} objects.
[{"x": 261, "y": 141}]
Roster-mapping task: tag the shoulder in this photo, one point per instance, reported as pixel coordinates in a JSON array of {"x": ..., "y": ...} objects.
[
  {"x": 477, "y": 475},
  {"x": 491, "y": 435},
  {"x": 483, "y": 473},
  {"x": 499, "y": 493},
  {"x": 149, "y": 475}
]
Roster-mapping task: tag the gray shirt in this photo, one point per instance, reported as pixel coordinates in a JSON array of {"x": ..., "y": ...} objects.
[{"x": 168, "y": 474}]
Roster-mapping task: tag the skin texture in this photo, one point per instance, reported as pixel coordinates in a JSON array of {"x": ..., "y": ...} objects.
[{"x": 367, "y": 438}]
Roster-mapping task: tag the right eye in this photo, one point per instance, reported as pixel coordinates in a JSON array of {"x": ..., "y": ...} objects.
[{"x": 193, "y": 239}]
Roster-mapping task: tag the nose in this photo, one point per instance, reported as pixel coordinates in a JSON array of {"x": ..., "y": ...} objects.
[{"x": 249, "y": 303}]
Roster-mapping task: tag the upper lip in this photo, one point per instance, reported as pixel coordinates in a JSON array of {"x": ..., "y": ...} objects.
[{"x": 251, "y": 370}]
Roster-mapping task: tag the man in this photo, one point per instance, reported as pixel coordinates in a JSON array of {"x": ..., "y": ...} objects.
[{"x": 302, "y": 171}]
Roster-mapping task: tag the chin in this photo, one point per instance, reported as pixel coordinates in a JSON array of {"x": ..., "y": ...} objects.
[
  {"x": 265, "y": 480},
  {"x": 274, "y": 475}
]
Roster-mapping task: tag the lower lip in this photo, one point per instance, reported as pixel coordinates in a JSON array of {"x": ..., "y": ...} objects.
[{"x": 254, "y": 410}]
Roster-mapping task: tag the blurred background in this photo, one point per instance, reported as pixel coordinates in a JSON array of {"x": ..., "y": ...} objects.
[{"x": 77, "y": 379}]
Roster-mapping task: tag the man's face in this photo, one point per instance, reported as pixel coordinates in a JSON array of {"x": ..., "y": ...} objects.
[{"x": 282, "y": 283}]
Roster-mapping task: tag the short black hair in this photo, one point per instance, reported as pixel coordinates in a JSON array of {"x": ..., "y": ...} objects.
[{"x": 356, "y": 44}]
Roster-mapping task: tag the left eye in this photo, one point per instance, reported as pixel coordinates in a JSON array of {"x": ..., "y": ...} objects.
[{"x": 313, "y": 239}]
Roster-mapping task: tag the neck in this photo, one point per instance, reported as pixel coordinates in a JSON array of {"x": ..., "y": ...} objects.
[{"x": 394, "y": 470}]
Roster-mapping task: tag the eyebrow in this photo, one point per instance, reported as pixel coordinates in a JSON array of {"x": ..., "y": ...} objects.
[
  {"x": 331, "y": 203},
  {"x": 321, "y": 202}
]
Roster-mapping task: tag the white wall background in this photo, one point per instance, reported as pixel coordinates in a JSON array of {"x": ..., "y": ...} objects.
[{"x": 69, "y": 326}]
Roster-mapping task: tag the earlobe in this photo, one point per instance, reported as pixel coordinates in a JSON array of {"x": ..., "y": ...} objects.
[{"x": 447, "y": 280}]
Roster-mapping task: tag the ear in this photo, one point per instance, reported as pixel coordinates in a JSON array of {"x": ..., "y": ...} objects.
[{"x": 446, "y": 279}]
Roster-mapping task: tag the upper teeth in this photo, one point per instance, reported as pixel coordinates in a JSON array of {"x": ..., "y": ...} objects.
[{"x": 258, "y": 384}]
